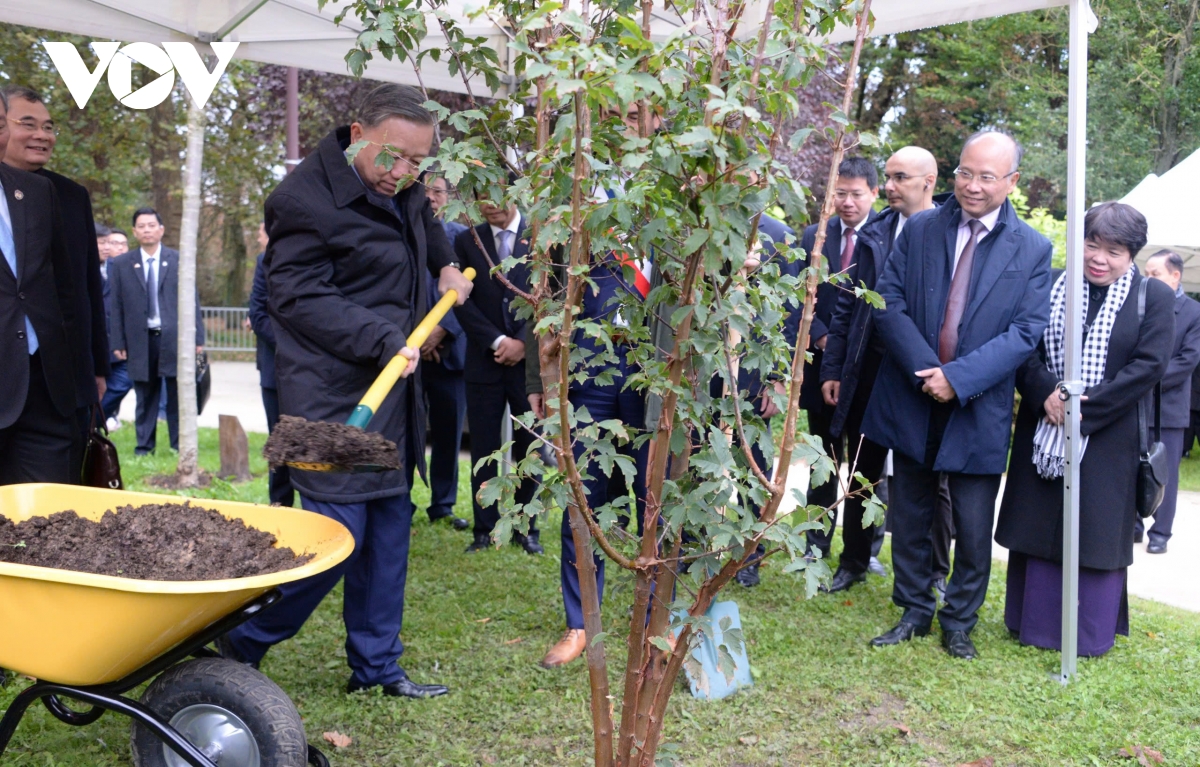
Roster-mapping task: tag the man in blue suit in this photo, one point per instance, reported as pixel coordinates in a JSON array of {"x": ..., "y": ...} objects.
[
  {"x": 967, "y": 294},
  {"x": 279, "y": 483}
]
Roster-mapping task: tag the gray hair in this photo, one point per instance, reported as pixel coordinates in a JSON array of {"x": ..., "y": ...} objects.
[
  {"x": 1174, "y": 260},
  {"x": 1018, "y": 150},
  {"x": 394, "y": 100}
]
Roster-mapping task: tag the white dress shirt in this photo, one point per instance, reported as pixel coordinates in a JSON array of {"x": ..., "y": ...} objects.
[
  {"x": 155, "y": 322},
  {"x": 900, "y": 227},
  {"x": 514, "y": 226},
  {"x": 964, "y": 233}
]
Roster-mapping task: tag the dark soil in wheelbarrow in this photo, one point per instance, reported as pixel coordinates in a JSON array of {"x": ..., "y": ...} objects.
[
  {"x": 155, "y": 542},
  {"x": 296, "y": 440}
]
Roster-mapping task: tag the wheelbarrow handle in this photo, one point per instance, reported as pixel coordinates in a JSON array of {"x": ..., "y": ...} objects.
[{"x": 391, "y": 372}]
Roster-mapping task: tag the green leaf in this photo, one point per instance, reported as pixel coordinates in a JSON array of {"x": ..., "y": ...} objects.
[{"x": 661, "y": 643}]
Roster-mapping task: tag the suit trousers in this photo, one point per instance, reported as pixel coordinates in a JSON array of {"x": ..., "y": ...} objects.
[
  {"x": 915, "y": 488},
  {"x": 41, "y": 445},
  {"x": 279, "y": 482},
  {"x": 373, "y": 593},
  {"x": 446, "y": 396},
  {"x": 485, "y": 414},
  {"x": 1164, "y": 518},
  {"x": 117, "y": 385},
  {"x": 148, "y": 395},
  {"x": 602, "y": 403}
]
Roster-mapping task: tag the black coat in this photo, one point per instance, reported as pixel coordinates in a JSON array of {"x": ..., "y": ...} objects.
[
  {"x": 346, "y": 280},
  {"x": 489, "y": 312},
  {"x": 79, "y": 231},
  {"x": 1185, "y": 355},
  {"x": 827, "y": 299},
  {"x": 1031, "y": 512},
  {"x": 42, "y": 290},
  {"x": 131, "y": 310},
  {"x": 260, "y": 323}
]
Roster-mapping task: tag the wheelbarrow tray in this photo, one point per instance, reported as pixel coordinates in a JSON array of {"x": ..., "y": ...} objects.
[{"x": 81, "y": 629}]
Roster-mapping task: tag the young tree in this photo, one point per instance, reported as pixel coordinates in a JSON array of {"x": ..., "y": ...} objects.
[{"x": 689, "y": 196}]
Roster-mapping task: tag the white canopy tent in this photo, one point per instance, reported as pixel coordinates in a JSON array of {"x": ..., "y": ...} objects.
[
  {"x": 295, "y": 33},
  {"x": 1169, "y": 204}
]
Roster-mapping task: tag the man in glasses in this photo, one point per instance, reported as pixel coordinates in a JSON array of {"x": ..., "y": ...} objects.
[
  {"x": 32, "y": 136},
  {"x": 966, "y": 292}
]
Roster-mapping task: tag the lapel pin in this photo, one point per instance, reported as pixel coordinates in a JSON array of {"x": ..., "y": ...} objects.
[{"x": 19, "y": 194}]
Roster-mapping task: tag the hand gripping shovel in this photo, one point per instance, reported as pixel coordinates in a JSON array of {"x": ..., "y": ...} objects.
[{"x": 294, "y": 434}]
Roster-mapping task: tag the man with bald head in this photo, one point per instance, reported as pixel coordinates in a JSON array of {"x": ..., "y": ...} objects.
[
  {"x": 853, "y": 351},
  {"x": 967, "y": 298}
]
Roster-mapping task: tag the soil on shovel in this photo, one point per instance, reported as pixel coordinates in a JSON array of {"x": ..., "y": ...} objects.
[
  {"x": 155, "y": 542},
  {"x": 296, "y": 440}
]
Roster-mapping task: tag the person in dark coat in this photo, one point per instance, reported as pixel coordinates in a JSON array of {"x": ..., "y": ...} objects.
[
  {"x": 494, "y": 369},
  {"x": 30, "y": 148},
  {"x": 144, "y": 325},
  {"x": 853, "y": 352},
  {"x": 352, "y": 246},
  {"x": 1123, "y": 357},
  {"x": 1167, "y": 266},
  {"x": 38, "y": 434},
  {"x": 856, "y": 190},
  {"x": 117, "y": 385},
  {"x": 966, "y": 300},
  {"x": 279, "y": 483}
]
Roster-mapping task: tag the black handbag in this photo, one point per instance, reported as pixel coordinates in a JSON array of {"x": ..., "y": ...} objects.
[
  {"x": 1153, "y": 466},
  {"x": 101, "y": 465},
  {"x": 203, "y": 381}
]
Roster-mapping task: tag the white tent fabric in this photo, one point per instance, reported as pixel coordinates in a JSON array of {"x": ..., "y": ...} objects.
[{"x": 1169, "y": 204}]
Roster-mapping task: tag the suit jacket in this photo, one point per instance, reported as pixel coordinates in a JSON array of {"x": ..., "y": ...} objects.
[
  {"x": 1008, "y": 308},
  {"x": 827, "y": 298},
  {"x": 42, "y": 290},
  {"x": 346, "y": 274},
  {"x": 131, "y": 310},
  {"x": 1185, "y": 355},
  {"x": 489, "y": 312},
  {"x": 454, "y": 348},
  {"x": 260, "y": 323}
]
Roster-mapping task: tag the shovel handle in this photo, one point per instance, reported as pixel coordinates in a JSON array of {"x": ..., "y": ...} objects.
[{"x": 397, "y": 365}]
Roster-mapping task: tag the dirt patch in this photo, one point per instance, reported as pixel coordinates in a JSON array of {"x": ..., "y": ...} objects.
[
  {"x": 155, "y": 542},
  {"x": 296, "y": 440},
  {"x": 171, "y": 481}
]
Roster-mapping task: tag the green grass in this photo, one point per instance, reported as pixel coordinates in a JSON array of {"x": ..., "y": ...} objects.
[
  {"x": 1189, "y": 472},
  {"x": 480, "y": 623}
]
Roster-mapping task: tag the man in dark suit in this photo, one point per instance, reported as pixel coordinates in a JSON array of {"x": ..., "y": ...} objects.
[
  {"x": 494, "y": 370},
  {"x": 38, "y": 434},
  {"x": 1166, "y": 265},
  {"x": 117, "y": 385},
  {"x": 30, "y": 148},
  {"x": 853, "y": 351},
  {"x": 145, "y": 305},
  {"x": 856, "y": 190},
  {"x": 279, "y": 484},
  {"x": 966, "y": 292}
]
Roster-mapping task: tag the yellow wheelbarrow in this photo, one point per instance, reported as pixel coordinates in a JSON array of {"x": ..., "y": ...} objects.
[{"x": 92, "y": 638}]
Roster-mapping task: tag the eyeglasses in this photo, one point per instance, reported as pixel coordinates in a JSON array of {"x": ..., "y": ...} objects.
[
  {"x": 899, "y": 178},
  {"x": 984, "y": 178},
  {"x": 29, "y": 125},
  {"x": 856, "y": 195}
]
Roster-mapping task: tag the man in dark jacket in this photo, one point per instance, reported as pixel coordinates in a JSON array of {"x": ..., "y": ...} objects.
[
  {"x": 966, "y": 292},
  {"x": 1166, "y": 265},
  {"x": 144, "y": 322},
  {"x": 30, "y": 148},
  {"x": 853, "y": 352},
  {"x": 352, "y": 246},
  {"x": 279, "y": 483},
  {"x": 856, "y": 190},
  {"x": 117, "y": 385}
]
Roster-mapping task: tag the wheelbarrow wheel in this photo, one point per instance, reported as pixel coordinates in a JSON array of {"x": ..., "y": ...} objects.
[{"x": 235, "y": 715}]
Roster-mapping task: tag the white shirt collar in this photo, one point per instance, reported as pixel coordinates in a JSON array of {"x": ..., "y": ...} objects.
[
  {"x": 157, "y": 252},
  {"x": 988, "y": 219},
  {"x": 900, "y": 222},
  {"x": 857, "y": 227},
  {"x": 514, "y": 226}
]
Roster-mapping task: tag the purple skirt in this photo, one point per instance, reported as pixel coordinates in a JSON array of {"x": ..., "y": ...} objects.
[{"x": 1033, "y": 605}]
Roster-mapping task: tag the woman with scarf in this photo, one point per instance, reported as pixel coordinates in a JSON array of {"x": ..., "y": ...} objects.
[{"x": 1124, "y": 356}]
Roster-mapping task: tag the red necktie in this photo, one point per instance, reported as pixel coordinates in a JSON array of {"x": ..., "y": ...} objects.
[
  {"x": 960, "y": 289},
  {"x": 848, "y": 250},
  {"x": 639, "y": 278}
]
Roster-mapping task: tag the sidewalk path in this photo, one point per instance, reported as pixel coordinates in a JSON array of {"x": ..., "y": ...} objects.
[{"x": 235, "y": 391}]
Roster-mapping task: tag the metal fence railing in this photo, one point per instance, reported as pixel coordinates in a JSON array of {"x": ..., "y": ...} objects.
[{"x": 227, "y": 328}]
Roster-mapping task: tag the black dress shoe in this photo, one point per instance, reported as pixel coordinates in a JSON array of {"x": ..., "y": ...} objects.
[
  {"x": 405, "y": 688},
  {"x": 843, "y": 580},
  {"x": 875, "y": 567},
  {"x": 482, "y": 542},
  {"x": 528, "y": 542},
  {"x": 958, "y": 644},
  {"x": 458, "y": 523},
  {"x": 1156, "y": 547},
  {"x": 1137, "y": 536},
  {"x": 901, "y": 632},
  {"x": 748, "y": 576}
]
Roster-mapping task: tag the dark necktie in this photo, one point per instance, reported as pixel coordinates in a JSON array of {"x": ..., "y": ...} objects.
[
  {"x": 152, "y": 288},
  {"x": 960, "y": 290},
  {"x": 847, "y": 250},
  {"x": 503, "y": 251}
]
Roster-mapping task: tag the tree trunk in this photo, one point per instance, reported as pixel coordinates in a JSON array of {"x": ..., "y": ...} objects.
[
  {"x": 189, "y": 449},
  {"x": 164, "y": 169}
]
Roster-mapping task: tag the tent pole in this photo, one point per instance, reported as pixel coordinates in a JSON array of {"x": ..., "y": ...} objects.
[
  {"x": 1072, "y": 386},
  {"x": 292, "y": 105}
]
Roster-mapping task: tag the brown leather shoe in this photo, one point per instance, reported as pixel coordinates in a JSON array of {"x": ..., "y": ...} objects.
[{"x": 569, "y": 648}]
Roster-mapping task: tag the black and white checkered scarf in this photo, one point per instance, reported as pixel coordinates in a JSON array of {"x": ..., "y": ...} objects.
[{"x": 1049, "y": 442}]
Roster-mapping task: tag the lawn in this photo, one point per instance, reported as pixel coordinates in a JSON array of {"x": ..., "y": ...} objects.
[{"x": 479, "y": 623}]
